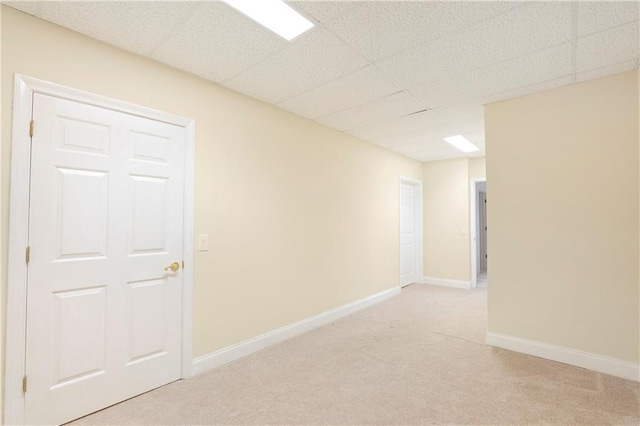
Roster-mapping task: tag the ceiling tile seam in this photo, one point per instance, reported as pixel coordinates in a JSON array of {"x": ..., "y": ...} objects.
[
  {"x": 621, "y": 24},
  {"x": 288, "y": 45},
  {"x": 607, "y": 29},
  {"x": 384, "y": 120},
  {"x": 323, "y": 84},
  {"x": 410, "y": 132},
  {"x": 401, "y": 87},
  {"x": 172, "y": 31},
  {"x": 250, "y": 67},
  {"x": 412, "y": 113},
  {"x": 635, "y": 60},
  {"x": 526, "y": 86},
  {"x": 367, "y": 123},
  {"x": 577, "y": 39},
  {"x": 367, "y": 60},
  {"x": 472, "y": 70},
  {"x": 376, "y": 67},
  {"x": 309, "y": 15},
  {"x": 316, "y": 27},
  {"x": 574, "y": 39},
  {"x": 369, "y": 63},
  {"x": 446, "y": 34},
  {"x": 358, "y": 105}
]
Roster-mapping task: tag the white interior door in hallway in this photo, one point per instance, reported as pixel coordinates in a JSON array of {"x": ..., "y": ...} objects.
[
  {"x": 409, "y": 252},
  {"x": 105, "y": 220}
]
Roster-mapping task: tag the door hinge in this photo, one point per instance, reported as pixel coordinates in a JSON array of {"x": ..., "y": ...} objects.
[
  {"x": 31, "y": 125},
  {"x": 28, "y": 255},
  {"x": 24, "y": 384}
]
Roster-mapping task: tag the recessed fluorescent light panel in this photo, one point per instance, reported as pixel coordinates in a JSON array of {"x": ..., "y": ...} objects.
[
  {"x": 276, "y": 15},
  {"x": 462, "y": 143}
]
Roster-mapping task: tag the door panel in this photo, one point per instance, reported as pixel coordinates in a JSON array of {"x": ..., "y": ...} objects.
[
  {"x": 146, "y": 311},
  {"x": 103, "y": 316},
  {"x": 78, "y": 346},
  {"x": 148, "y": 196},
  {"x": 82, "y": 213}
]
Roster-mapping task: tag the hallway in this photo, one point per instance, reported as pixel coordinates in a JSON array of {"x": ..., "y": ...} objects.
[{"x": 417, "y": 358}]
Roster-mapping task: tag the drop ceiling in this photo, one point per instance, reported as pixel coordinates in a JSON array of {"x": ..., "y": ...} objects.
[{"x": 399, "y": 74}]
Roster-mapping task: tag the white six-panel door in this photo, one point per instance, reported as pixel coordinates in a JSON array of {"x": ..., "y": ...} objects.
[
  {"x": 408, "y": 249},
  {"x": 106, "y": 219}
]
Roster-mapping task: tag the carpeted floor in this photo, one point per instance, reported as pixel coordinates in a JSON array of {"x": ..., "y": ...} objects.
[{"x": 418, "y": 358}]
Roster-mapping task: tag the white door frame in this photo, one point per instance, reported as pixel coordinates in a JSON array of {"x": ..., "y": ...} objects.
[
  {"x": 15, "y": 351},
  {"x": 419, "y": 219},
  {"x": 473, "y": 218}
]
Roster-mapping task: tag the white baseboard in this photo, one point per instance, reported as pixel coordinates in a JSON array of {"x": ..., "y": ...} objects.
[
  {"x": 444, "y": 282},
  {"x": 612, "y": 366},
  {"x": 231, "y": 353}
]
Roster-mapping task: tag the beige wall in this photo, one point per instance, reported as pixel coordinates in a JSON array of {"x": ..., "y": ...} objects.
[
  {"x": 447, "y": 239},
  {"x": 562, "y": 166},
  {"x": 446, "y": 219},
  {"x": 477, "y": 168},
  {"x": 301, "y": 218}
]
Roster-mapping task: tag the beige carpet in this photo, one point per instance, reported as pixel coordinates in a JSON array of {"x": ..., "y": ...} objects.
[{"x": 418, "y": 358}]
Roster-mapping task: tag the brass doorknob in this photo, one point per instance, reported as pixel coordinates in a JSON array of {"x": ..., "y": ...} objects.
[{"x": 173, "y": 267}]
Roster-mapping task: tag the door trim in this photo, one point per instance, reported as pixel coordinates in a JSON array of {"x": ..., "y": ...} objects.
[
  {"x": 473, "y": 218},
  {"x": 417, "y": 184},
  {"x": 15, "y": 350}
]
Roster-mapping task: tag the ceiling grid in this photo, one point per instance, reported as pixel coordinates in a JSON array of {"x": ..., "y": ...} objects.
[{"x": 399, "y": 74}]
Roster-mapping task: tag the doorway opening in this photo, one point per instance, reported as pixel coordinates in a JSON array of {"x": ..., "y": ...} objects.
[
  {"x": 479, "y": 229},
  {"x": 410, "y": 229}
]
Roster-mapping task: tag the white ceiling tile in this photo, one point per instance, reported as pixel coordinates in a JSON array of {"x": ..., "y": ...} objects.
[
  {"x": 465, "y": 127},
  {"x": 392, "y": 106},
  {"x": 322, "y": 11},
  {"x": 527, "y": 90},
  {"x": 517, "y": 32},
  {"x": 449, "y": 56},
  {"x": 419, "y": 122},
  {"x": 29, "y": 7},
  {"x": 526, "y": 70},
  {"x": 597, "y": 16},
  {"x": 380, "y": 29},
  {"x": 313, "y": 59},
  {"x": 617, "y": 45},
  {"x": 357, "y": 88},
  {"x": 461, "y": 126},
  {"x": 608, "y": 70},
  {"x": 433, "y": 149},
  {"x": 218, "y": 43},
  {"x": 133, "y": 26},
  {"x": 446, "y": 155},
  {"x": 417, "y": 127}
]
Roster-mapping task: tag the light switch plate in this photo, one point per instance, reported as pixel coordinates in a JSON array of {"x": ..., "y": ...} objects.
[{"x": 203, "y": 242}]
